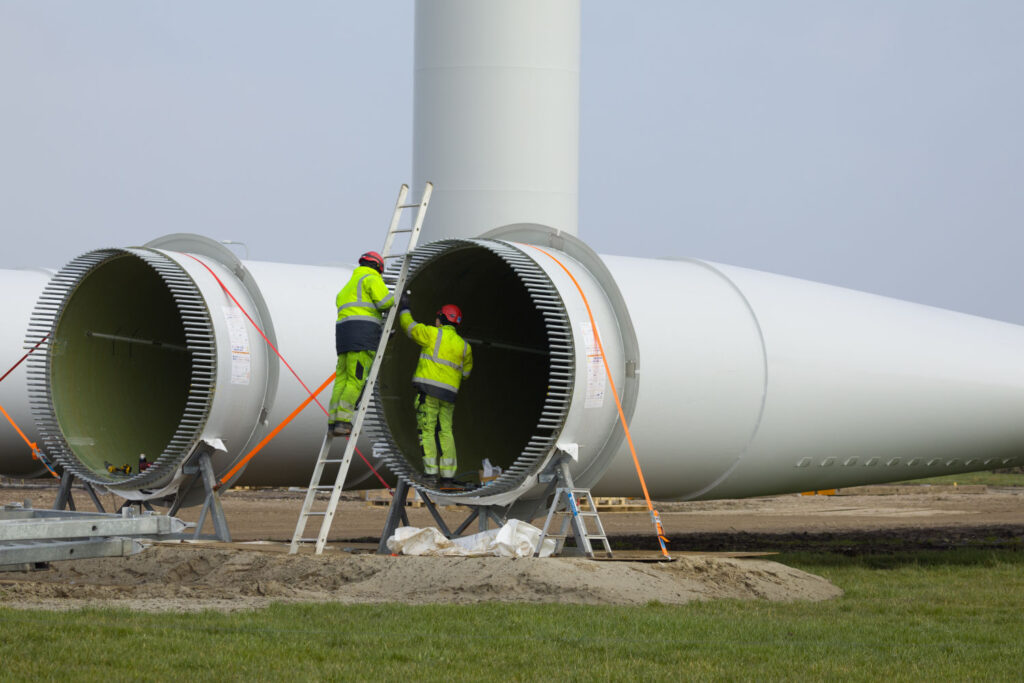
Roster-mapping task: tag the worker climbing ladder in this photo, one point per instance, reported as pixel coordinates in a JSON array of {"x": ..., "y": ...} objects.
[
  {"x": 566, "y": 505},
  {"x": 316, "y": 484}
]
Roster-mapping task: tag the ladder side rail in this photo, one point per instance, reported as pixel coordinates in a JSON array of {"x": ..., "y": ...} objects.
[
  {"x": 332, "y": 505},
  {"x": 572, "y": 515},
  {"x": 602, "y": 536},
  {"x": 314, "y": 485},
  {"x": 353, "y": 437},
  {"x": 392, "y": 314},
  {"x": 579, "y": 528},
  {"x": 395, "y": 218},
  {"x": 367, "y": 395},
  {"x": 417, "y": 225},
  {"x": 357, "y": 422},
  {"x": 421, "y": 214},
  {"x": 388, "y": 325},
  {"x": 564, "y": 525}
]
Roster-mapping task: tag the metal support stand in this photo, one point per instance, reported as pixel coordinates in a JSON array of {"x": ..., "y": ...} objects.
[
  {"x": 182, "y": 495},
  {"x": 66, "y": 500},
  {"x": 140, "y": 503},
  {"x": 397, "y": 513},
  {"x": 566, "y": 504},
  {"x": 202, "y": 468},
  {"x": 484, "y": 514},
  {"x": 30, "y": 538}
]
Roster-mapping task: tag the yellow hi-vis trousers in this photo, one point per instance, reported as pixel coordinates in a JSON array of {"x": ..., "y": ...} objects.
[
  {"x": 353, "y": 369},
  {"x": 434, "y": 420}
]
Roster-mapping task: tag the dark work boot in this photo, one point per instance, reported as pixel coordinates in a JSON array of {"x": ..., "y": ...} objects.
[
  {"x": 342, "y": 428},
  {"x": 430, "y": 480}
]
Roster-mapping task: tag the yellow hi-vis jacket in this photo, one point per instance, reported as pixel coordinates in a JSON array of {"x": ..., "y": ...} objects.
[
  {"x": 360, "y": 305},
  {"x": 445, "y": 357}
]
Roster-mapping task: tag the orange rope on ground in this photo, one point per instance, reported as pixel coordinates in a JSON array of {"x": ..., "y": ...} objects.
[
  {"x": 36, "y": 453},
  {"x": 312, "y": 395},
  {"x": 655, "y": 517}
]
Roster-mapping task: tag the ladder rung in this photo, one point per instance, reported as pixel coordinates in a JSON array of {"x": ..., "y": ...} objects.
[
  {"x": 589, "y": 538},
  {"x": 364, "y": 402},
  {"x": 581, "y": 513}
]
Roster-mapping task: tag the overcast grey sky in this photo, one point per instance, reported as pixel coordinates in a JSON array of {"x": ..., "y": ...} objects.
[{"x": 872, "y": 145}]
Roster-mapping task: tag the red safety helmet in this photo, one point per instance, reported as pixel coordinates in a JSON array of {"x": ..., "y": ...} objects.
[
  {"x": 373, "y": 260},
  {"x": 451, "y": 313}
]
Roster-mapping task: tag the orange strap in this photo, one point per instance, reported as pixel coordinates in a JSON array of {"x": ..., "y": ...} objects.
[
  {"x": 36, "y": 453},
  {"x": 312, "y": 395},
  {"x": 655, "y": 517},
  {"x": 258, "y": 447}
]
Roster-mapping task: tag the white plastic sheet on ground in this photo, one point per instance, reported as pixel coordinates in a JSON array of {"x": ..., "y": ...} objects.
[{"x": 515, "y": 539}]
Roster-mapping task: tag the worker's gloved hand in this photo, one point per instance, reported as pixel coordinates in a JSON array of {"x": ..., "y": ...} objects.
[{"x": 405, "y": 302}]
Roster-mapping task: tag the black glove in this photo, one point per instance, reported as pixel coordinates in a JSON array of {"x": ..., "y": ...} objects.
[{"x": 405, "y": 303}]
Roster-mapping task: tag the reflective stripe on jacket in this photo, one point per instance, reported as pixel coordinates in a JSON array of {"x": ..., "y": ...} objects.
[
  {"x": 365, "y": 295},
  {"x": 360, "y": 305},
  {"x": 445, "y": 357}
]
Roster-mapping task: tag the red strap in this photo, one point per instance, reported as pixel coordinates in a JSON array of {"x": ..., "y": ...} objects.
[
  {"x": 295, "y": 374},
  {"x": 36, "y": 453},
  {"x": 14, "y": 367},
  {"x": 246, "y": 314}
]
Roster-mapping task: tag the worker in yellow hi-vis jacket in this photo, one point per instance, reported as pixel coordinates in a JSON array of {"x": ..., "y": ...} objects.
[
  {"x": 445, "y": 360},
  {"x": 361, "y": 304}
]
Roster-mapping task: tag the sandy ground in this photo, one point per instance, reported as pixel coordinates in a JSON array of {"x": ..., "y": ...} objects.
[{"x": 706, "y": 540}]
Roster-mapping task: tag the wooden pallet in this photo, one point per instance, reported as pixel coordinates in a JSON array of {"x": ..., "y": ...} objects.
[
  {"x": 380, "y": 498},
  {"x": 616, "y": 504}
]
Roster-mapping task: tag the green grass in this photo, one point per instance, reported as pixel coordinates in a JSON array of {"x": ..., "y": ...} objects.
[{"x": 952, "y": 615}]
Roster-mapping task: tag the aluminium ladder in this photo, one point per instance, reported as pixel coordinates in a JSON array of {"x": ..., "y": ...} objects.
[
  {"x": 566, "y": 504},
  {"x": 315, "y": 484}
]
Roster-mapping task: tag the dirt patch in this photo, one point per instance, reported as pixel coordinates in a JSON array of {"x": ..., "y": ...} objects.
[
  {"x": 187, "y": 578},
  {"x": 870, "y": 520}
]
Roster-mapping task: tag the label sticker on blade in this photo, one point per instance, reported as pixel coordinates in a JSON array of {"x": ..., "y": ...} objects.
[
  {"x": 238, "y": 336},
  {"x": 596, "y": 378}
]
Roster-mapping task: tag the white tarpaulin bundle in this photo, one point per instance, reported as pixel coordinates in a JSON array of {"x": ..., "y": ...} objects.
[{"x": 515, "y": 539}]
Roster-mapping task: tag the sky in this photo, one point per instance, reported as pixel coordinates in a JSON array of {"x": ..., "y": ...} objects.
[{"x": 872, "y": 145}]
